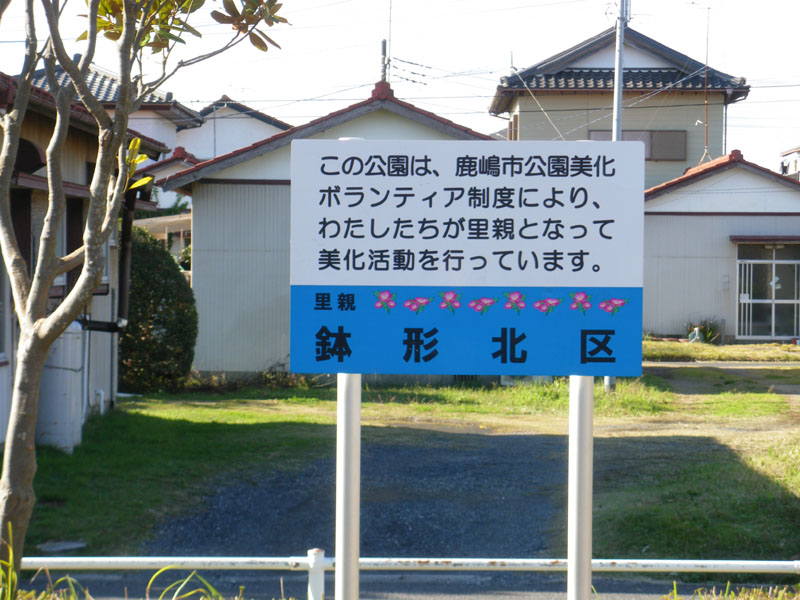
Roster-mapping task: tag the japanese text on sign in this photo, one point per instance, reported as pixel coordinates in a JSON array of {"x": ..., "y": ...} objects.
[{"x": 452, "y": 211}]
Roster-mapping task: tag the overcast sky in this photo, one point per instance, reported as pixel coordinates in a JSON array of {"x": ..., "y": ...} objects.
[{"x": 448, "y": 56}]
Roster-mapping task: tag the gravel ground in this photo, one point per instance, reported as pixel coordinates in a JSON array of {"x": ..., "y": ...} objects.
[
  {"x": 447, "y": 495},
  {"x": 453, "y": 496}
]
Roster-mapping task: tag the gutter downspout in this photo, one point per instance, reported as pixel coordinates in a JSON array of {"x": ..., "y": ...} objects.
[{"x": 125, "y": 258}]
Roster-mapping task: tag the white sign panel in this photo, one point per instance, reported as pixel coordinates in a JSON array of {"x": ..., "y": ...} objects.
[
  {"x": 466, "y": 213},
  {"x": 467, "y": 257}
]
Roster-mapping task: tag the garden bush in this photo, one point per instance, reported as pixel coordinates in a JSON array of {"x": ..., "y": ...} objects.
[{"x": 157, "y": 346}]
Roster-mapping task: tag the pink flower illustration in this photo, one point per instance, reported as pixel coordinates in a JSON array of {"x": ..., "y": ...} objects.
[
  {"x": 481, "y": 305},
  {"x": 515, "y": 301},
  {"x": 385, "y": 300},
  {"x": 580, "y": 301},
  {"x": 546, "y": 305},
  {"x": 450, "y": 301},
  {"x": 417, "y": 304},
  {"x": 613, "y": 305}
]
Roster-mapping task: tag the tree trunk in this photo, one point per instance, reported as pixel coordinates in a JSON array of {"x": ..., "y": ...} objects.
[{"x": 19, "y": 465}]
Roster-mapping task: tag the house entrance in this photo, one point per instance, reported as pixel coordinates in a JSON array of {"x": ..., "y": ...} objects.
[{"x": 769, "y": 291}]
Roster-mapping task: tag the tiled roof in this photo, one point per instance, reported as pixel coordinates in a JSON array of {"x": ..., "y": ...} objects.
[
  {"x": 632, "y": 79},
  {"x": 557, "y": 73},
  {"x": 382, "y": 98},
  {"x": 225, "y": 102},
  {"x": 44, "y": 101},
  {"x": 179, "y": 155},
  {"x": 105, "y": 87},
  {"x": 721, "y": 163}
]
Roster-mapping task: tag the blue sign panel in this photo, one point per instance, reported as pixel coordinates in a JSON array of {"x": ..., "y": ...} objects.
[
  {"x": 467, "y": 331},
  {"x": 517, "y": 258}
]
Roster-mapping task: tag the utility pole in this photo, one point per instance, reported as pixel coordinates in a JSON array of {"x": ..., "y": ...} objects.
[
  {"x": 610, "y": 383},
  {"x": 616, "y": 119}
]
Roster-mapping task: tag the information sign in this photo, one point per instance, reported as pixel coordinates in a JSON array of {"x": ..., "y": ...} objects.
[{"x": 466, "y": 257}]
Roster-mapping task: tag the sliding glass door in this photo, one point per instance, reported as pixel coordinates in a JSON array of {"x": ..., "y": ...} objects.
[{"x": 769, "y": 291}]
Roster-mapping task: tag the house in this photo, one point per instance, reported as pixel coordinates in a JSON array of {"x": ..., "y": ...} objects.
[
  {"x": 226, "y": 126},
  {"x": 160, "y": 117},
  {"x": 569, "y": 96},
  {"x": 722, "y": 242},
  {"x": 220, "y": 127},
  {"x": 240, "y": 229},
  {"x": 81, "y": 373}
]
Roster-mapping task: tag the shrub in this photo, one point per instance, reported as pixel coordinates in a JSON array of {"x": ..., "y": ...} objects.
[{"x": 157, "y": 347}]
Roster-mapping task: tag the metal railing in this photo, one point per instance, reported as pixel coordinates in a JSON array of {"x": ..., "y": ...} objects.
[{"x": 316, "y": 563}]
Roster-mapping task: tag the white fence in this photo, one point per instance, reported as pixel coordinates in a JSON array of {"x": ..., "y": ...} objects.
[{"x": 316, "y": 563}]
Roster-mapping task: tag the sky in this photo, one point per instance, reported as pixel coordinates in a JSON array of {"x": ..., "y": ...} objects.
[{"x": 447, "y": 56}]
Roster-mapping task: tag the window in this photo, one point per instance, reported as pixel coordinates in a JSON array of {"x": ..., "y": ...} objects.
[
  {"x": 658, "y": 145},
  {"x": 769, "y": 291}
]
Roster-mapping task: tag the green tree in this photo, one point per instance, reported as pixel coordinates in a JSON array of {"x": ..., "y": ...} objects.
[
  {"x": 134, "y": 27},
  {"x": 156, "y": 348}
]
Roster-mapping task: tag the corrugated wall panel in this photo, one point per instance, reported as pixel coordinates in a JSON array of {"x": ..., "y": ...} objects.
[
  {"x": 240, "y": 275},
  {"x": 690, "y": 267}
]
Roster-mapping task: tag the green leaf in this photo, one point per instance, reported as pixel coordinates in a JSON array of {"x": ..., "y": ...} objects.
[
  {"x": 173, "y": 37},
  {"x": 221, "y": 18},
  {"x": 141, "y": 182},
  {"x": 258, "y": 42},
  {"x": 190, "y": 6},
  {"x": 192, "y": 30},
  {"x": 230, "y": 8},
  {"x": 112, "y": 35},
  {"x": 83, "y": 36},
  {"x": 268, "y": 39}
]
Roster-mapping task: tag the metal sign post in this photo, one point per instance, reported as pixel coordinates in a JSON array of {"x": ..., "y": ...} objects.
[
  {"x": 348, "y": 484},
  {"x": 579, "y": 501}
]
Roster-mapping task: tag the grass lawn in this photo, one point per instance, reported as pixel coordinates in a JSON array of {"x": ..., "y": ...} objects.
[
  {"x": 691, "y": 462},
  {"x": 684, "y": 352}
]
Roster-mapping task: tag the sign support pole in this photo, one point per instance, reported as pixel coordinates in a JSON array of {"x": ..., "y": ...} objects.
[
  {"x": 348, "y": 485},
  {"x": 579, "y": 501}
]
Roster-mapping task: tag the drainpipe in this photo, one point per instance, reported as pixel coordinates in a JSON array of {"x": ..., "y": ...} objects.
[
  {"x": 125, "y": 258},
  {"x": 124, "y": 272}
]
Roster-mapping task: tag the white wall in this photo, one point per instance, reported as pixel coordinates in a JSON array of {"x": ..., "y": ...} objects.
[
  {"x": 154, "y": 125},
  {"x": 576, "y": 114},
  {"x": 734, "y": 190},
  {"x": 224, "y": 130}
]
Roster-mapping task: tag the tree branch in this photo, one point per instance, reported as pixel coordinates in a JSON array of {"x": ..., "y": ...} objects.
[
  {"x": 156, "y": 83},
  {"x": 81, "y": 88},
  {"x": 15, "y": 263},
  {"x": 88, "y": 55},
  {"x": 44, "y": 273},
  {"x": 73, "y": 260}
]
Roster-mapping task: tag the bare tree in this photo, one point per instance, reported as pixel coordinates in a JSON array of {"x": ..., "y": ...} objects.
[{"x": 135, "y": 27}]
